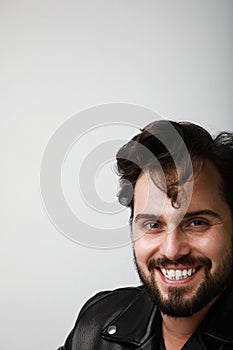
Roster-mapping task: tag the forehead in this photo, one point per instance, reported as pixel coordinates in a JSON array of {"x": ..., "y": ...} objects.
[{"x": 203, "y": 191}]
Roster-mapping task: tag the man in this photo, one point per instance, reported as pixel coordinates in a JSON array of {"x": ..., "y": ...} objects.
[{"x": 177, "y": 180}]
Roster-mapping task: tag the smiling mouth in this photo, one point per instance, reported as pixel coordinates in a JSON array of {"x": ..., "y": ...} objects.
[{"x": 177, "y": 275}]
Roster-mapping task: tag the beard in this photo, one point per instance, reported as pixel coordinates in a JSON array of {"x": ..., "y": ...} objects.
[{"x": 175, "y": 303}]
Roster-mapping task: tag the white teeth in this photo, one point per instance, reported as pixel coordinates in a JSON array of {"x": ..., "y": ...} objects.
[
  {"x": 163, "y": 271},
  {"x": 171, "y": 274},
  {"x": 177, "y": 275}
]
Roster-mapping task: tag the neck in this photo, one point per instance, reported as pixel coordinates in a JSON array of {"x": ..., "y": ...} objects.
[{"x": 177, "y": 330}]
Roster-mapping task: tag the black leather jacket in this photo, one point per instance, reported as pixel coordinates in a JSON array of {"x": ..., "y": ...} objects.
[{"x": 127, "y": 319}]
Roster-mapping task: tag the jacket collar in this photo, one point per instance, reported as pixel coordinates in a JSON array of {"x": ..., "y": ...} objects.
[
  {"x": 219, "y": 320},
  {"x": 141, "y": 319},
  {"x": 135, "y": 324}
]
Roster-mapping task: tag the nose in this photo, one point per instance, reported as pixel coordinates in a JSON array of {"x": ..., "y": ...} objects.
[{"x": 174, "y": 244}]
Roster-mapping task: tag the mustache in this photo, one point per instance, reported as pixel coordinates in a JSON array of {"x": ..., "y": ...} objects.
[{"x": 184, "y": 260}]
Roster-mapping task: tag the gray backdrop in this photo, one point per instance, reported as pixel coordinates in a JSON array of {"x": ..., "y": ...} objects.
[{"x": 59, "y": 58}]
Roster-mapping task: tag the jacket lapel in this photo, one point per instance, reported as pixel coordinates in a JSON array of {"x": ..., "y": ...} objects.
[
  {"x": 219, "y": 321},
  {"x": 136, "y": 323}
]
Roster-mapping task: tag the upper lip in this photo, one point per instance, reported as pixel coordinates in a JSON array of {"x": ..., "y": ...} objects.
[{"x": 180, "y": 267}]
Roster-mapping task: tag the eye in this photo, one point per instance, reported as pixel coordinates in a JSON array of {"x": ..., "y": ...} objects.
[
  {"x": 153, "y": 226},
  {"x": 197, "y": 224}
]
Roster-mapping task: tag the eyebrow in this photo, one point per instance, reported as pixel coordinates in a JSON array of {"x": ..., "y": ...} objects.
[
  {"x": 203, "y": 212},
  {"x": 145, "y": 216},
  {"x": 152, "y": 217}
]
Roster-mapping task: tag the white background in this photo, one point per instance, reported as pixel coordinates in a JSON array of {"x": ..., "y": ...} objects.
[{"x": 58, "y": 58}]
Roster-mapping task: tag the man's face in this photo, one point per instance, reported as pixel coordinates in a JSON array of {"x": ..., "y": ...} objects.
[{"x": 183, "y": 256}]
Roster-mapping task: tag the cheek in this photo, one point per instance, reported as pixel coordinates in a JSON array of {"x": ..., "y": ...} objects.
[
  {"x": 216, "y": 247},
  {"x": 140, "y": 252},
  {"x": 144, "y": 250}
]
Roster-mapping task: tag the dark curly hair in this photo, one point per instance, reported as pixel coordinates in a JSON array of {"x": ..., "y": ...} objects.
[{"x": 179, "y": 150}]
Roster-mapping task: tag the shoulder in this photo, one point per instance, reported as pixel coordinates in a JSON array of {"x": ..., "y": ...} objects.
[
  {"x": 97, "y": 312},
  {"x": 115, "y": 300}
]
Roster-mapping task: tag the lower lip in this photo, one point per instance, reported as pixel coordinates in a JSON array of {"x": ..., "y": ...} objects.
[{"x": 181, "y": 281}]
